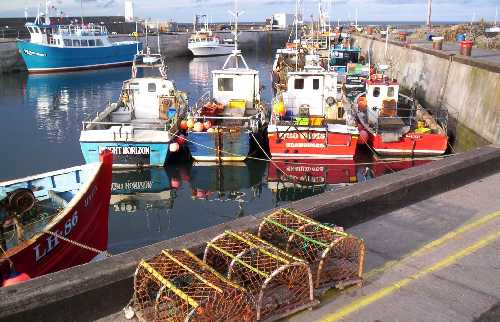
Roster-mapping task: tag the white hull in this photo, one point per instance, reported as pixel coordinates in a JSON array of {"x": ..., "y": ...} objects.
[{"x": 200, "y": 51}]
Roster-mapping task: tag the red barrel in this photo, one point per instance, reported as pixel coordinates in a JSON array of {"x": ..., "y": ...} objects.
[
  {"x": 402, "y": 36},
  {"x": 466, "y": 47}
]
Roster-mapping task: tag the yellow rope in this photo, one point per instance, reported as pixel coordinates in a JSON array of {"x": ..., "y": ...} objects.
[
  {"x": 201, "y": 278},
  {"x": 257, "y": 247},
  {"x": 253, "y": 269},
  {"x": 213, "y": 271},
  {"x": 313, "y": 222},
  {"x": 168, "y": 284}
]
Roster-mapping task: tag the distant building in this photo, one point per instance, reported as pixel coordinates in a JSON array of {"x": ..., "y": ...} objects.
[
  {"x": 129, "y": 11},
  {"x": 282, "y": 20}
]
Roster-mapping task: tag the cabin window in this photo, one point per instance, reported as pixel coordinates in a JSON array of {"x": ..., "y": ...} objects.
[
  {"x": 91, "y": 42},
  {"x": 151, "y": 87},
  {"x": 390, "y": 92},
  {"x": 298, "y": 83},
  {"x": 30, "y": 30},
  {"x": 225, "y": 84},
  {"x": 76, "y": 43},
  {"x": 98, "y": 42},
  {"x": 67, "y": 42},
  {"x": 316, "y": 83},
  {"x": 376, "y": 92},
  {"x": 84, "y": 42}
]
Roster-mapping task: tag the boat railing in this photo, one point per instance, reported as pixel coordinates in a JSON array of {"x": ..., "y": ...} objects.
[{"x": 87, "y": 125}]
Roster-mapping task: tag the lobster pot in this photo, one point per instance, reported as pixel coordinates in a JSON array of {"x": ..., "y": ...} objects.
[
  {"x": 278, "y": 283},
  {"x": 336, "y": 258},
  {"x": 177, "y": 286}
]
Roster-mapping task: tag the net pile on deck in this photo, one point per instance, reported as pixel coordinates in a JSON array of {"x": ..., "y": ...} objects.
[
  {"x": 335, "y": 257},
  {"x": 278, "y": 283},
  {"x": 177, "y": 286}
]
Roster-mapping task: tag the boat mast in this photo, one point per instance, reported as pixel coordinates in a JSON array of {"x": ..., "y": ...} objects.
[
  {"x": 81, "y": 10},
  {"x": 429, "y": 13},
  {"x": 236, "y": 52}
]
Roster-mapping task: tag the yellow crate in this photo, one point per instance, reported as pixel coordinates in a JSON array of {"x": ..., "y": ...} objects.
[
  {"x": 240, "y": 104},
  {"x": 311, "y": 121}
]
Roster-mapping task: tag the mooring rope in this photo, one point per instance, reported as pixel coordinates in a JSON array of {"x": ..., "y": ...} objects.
[{"x": 73, "y": 242}]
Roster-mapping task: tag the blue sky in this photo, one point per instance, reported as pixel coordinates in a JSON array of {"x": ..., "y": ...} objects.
[{"x": 258, "y": 10}]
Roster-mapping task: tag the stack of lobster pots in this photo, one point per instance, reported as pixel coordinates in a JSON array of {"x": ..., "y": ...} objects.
[{"x": 279, "y": 270}]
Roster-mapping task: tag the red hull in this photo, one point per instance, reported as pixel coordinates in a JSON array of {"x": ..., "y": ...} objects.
[
  {"x": 412, "y": 144},
  {"x": 312, "y": 144},
  {"x": 88, "y": 219},
  {"x": 313, "y": 172}
]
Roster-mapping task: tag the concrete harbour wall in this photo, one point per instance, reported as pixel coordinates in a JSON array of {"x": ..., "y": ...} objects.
[
  {"x": 10, "y": 60},
  {"x": 467, "y": 87},
  {"x": 96, "y": 290}
]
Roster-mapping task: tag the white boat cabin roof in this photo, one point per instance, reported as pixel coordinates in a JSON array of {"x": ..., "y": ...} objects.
[{"x": 69, "y": 35}]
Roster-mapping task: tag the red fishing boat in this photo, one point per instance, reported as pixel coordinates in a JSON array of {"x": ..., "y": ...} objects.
[
  {"x": 396, "y": 125},
  {"x": 300, "y": 178},
  {"x": 309, "y": 119},
  {"x": 51, "y": 221}
]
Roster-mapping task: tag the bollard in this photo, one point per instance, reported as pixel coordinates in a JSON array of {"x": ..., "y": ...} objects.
[
  {"x": 466, "y": 48},
  {"x": 437, "y": 43}
]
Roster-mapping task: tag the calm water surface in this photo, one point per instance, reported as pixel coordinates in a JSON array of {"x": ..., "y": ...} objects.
[{"x": 41, "y": 118}]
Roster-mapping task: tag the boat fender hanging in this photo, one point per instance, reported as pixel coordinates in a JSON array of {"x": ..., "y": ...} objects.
[{"x": 15, "y": 278}]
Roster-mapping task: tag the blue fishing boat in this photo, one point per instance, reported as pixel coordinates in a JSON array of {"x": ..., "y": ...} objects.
[
  {"x": 226, "y": 125},
  {"x": 141, "y": 128},
  {"x": 56, "y": 48}
]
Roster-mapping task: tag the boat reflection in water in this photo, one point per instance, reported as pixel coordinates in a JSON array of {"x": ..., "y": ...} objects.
[
  {"x": 141, "y": 200},
  {"x": 297, "y": 179},
  {"x": 155, "y": 204},
  {"x": 64, "y": 99},
  {"x": 233, "y": 185}
]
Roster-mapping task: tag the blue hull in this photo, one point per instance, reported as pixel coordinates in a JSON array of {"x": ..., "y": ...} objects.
[
  {"x": 43, "y": 58},
  {"x": 233, "y": 146},
  {"x": 128, "y": 154}
]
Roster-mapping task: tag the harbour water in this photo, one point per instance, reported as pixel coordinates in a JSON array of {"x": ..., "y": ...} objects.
[{"x": 42, "y": 116}]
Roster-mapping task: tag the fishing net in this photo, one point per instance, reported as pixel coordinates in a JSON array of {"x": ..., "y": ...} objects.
[
  {"x": 177, "y": 286},
  {"x": 336, "y": 258},
  {"x": 278, "y": 283}
]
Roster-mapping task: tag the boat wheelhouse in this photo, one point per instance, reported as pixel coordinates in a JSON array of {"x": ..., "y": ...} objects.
[
  {"x": 142, "y": 127},
  {"x": 40, "y": 213},
  {"x": 397, "y": 125},
  {"x": 56, "y": 48},
  {"x": 309, "y": 119}
]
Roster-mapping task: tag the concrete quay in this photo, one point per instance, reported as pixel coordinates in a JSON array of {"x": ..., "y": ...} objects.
[
  {"x": 467, "y": 86},
  {"x": 435, "y": 260},
  {"x": 395, "y": 214}
]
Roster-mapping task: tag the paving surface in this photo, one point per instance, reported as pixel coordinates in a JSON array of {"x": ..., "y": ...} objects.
[
  {"x": 436, "y": 260},
  {"x": 480, "y": 54}
]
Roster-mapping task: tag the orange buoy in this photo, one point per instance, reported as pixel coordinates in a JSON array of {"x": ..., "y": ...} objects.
[
  {"x": 198, "y": 127},
  {"x": 207, "y": 124},
  {"x": 174, "y": 147},
  {"x": 15, "y": 278},
  {"x": 184, "y": 125}
]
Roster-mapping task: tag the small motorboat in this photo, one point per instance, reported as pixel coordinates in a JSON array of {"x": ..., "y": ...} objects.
[
  {"x": 396, "y": 125},
  {"x": 204, "y": 43},
  {"x": 140, "y": 129},
  {"x": 54, "y": 220}
]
